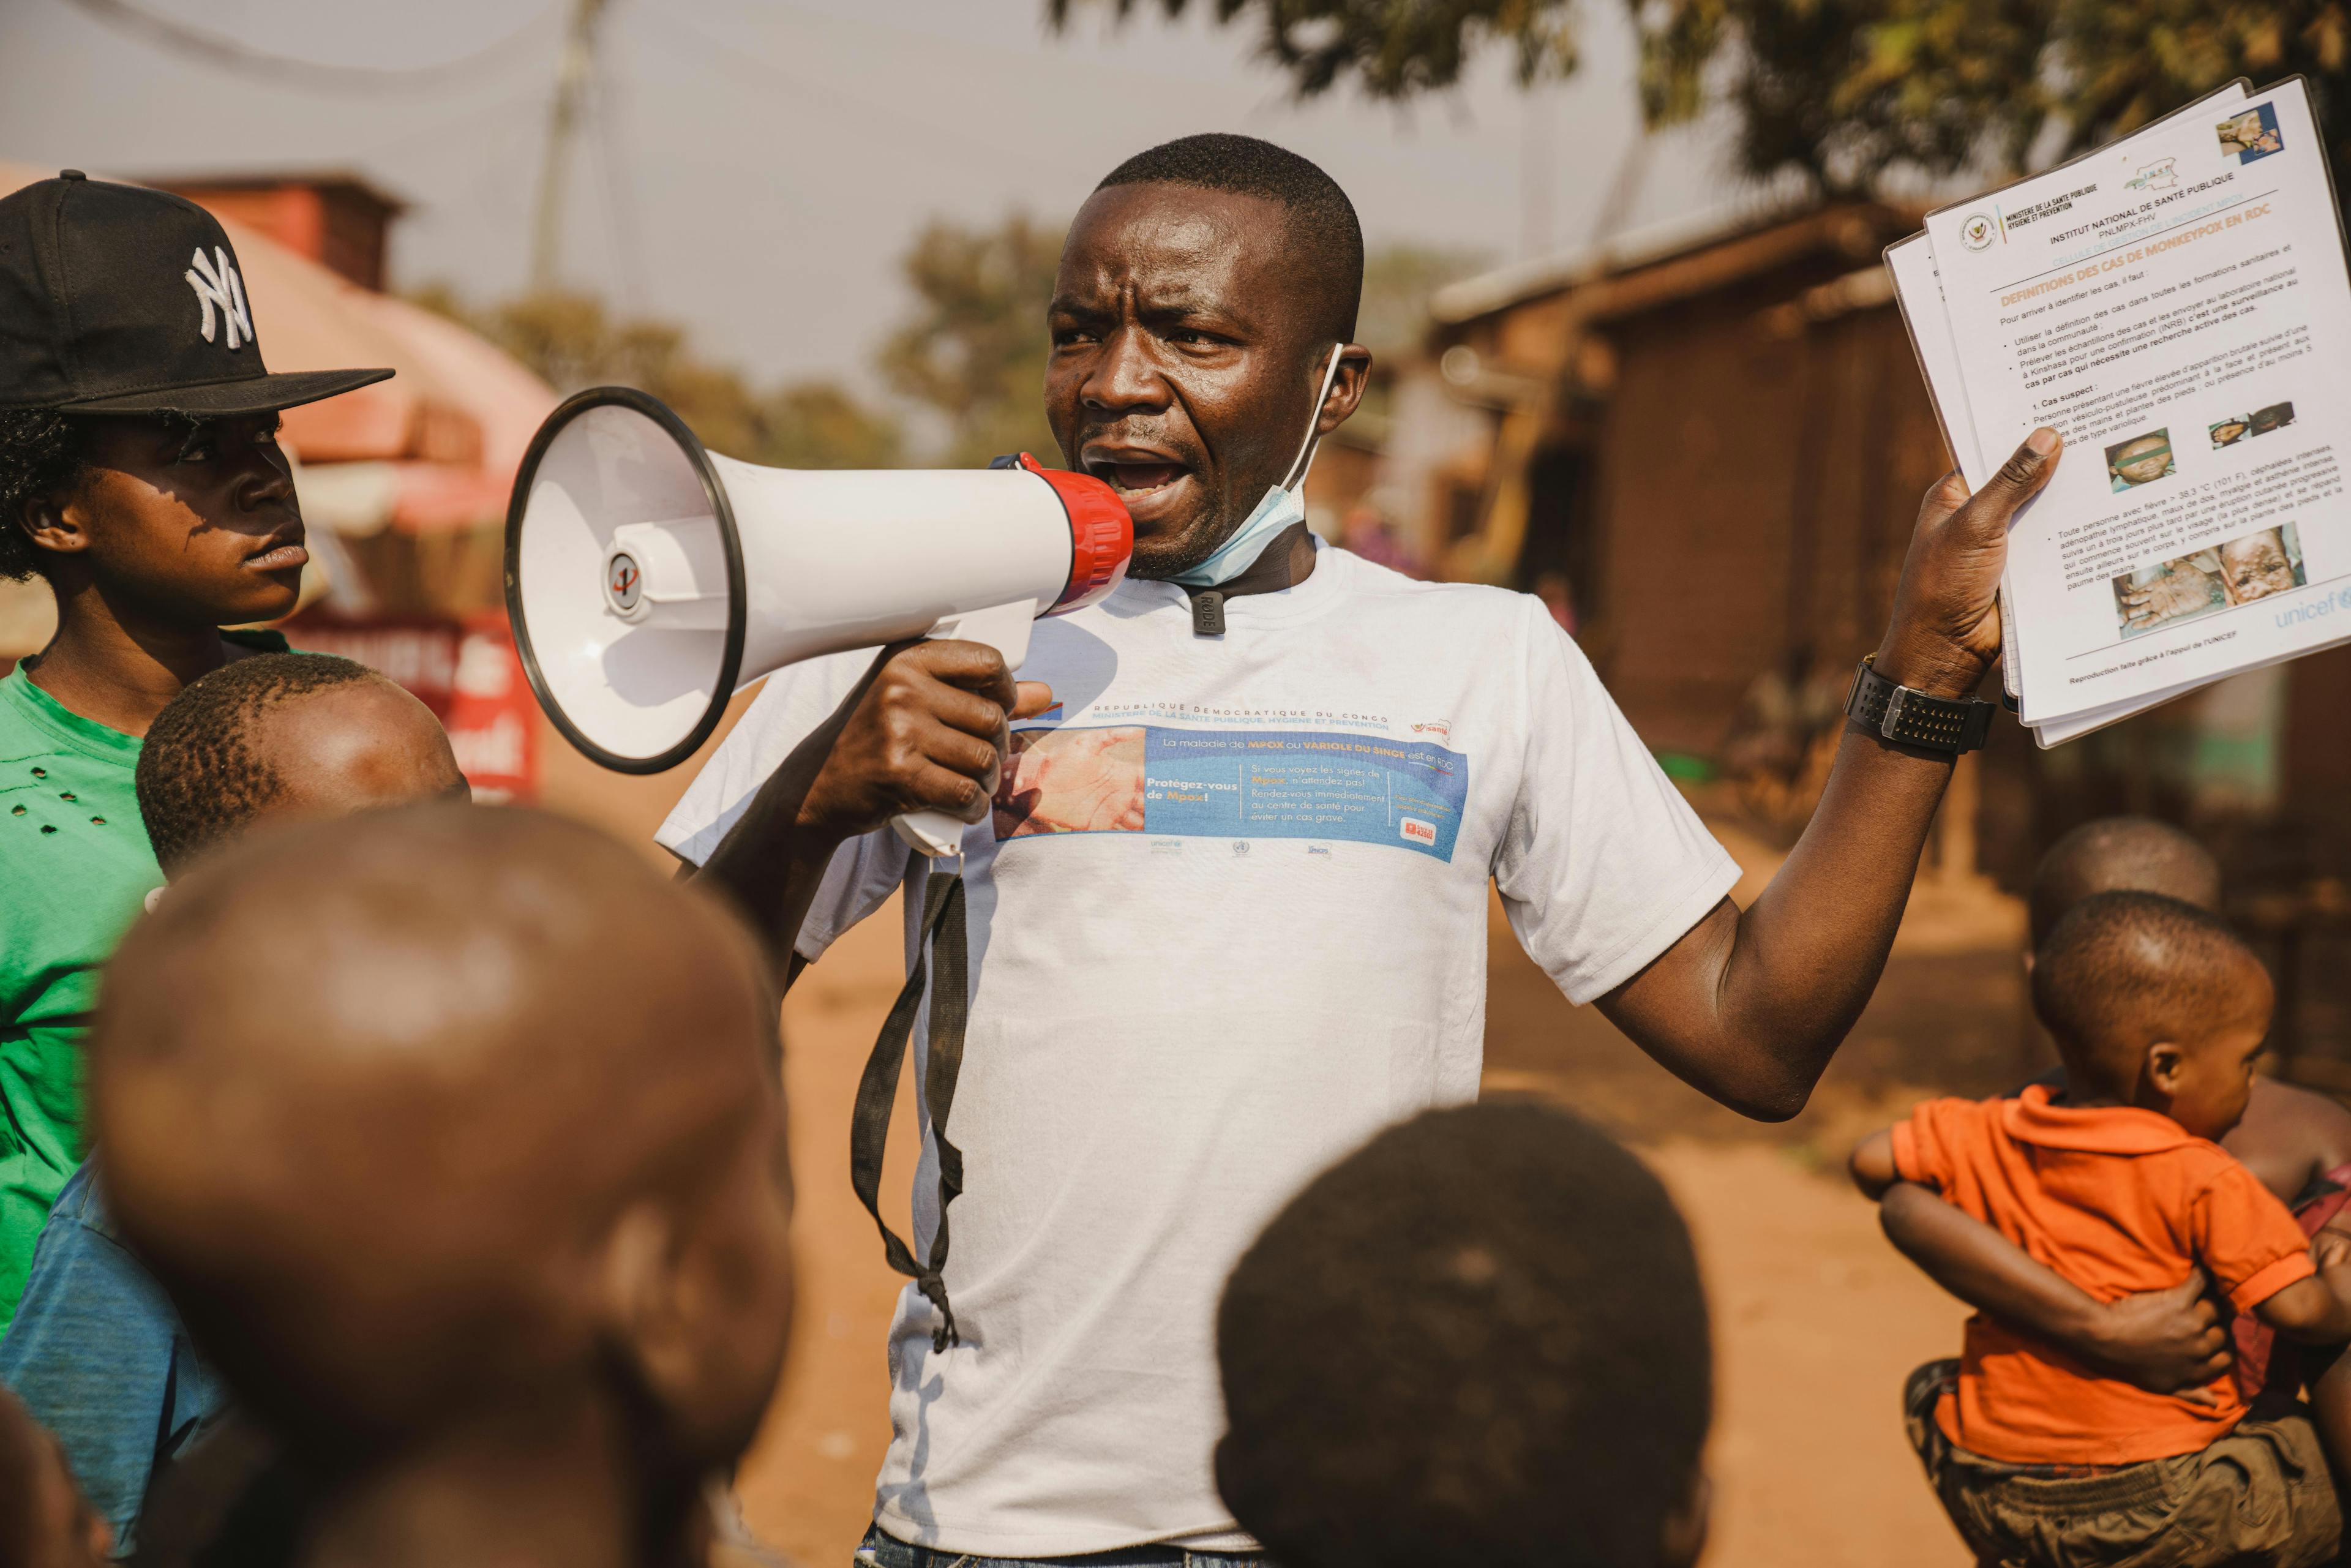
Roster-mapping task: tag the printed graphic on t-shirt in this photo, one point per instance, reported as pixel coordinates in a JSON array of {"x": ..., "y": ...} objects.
[{"x": 1271, "y": 784}]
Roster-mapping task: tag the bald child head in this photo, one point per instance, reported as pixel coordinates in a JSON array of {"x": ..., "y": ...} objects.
[
  {"x": 284, "y": 735},
  {"x": 2135, "y": 987},
  {"x": 2121, "y": 854},
  {"x": 444, "y": 1114}
]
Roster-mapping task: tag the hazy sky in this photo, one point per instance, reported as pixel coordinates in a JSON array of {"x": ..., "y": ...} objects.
[{"x": 756, "y": 167}]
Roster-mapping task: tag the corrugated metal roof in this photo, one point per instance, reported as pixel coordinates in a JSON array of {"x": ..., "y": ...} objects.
[{"x": 1521, "y": 281}]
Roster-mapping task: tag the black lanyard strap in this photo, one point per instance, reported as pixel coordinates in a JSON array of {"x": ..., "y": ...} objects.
[{"x": 941, "y": 935}]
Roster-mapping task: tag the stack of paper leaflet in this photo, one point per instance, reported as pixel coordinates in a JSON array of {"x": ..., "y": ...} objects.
[{"x": 2176, "y": 305}]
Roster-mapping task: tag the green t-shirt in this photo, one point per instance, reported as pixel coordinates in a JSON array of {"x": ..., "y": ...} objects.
[{"x": 75, "y": 870}]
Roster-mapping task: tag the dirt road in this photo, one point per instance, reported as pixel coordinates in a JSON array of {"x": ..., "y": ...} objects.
[{"x": 1817, "y": 1320}]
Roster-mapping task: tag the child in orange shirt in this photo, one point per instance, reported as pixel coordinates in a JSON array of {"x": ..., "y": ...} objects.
[{"x": 2116, "y": 1184}]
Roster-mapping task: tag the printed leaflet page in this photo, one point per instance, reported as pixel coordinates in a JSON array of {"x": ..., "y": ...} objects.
[{"x": 2178, "y": 307}]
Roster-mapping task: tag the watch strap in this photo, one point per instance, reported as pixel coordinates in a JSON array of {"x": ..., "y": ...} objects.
[{"x": 1912, "y": 718}]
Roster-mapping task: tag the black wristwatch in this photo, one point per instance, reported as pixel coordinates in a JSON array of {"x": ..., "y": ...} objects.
[{"x": 1908, "y": 717}]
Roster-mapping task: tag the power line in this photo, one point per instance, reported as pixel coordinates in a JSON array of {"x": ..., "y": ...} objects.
[
  {"x": 884, "y": 115},
  {"x": 229, "y": 54}
]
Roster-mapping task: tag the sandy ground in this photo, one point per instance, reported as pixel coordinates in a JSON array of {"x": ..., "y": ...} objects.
[{"x": 1817, "y": 1319}]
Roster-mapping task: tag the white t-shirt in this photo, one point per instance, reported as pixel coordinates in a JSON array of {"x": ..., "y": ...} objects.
[{"x": 1229, "y": 922}]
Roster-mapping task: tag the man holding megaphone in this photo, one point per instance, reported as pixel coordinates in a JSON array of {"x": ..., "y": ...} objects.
[{"x": 1226, "y": 894}]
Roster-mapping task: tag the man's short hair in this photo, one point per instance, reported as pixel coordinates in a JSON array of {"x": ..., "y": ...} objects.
[
  {"x": 2120, "y": 854},
  {"x": 2122, "y": 970},
  {"x": 199, "y": 780},
  {"x": 1322, "y": 224},
  {"x": 1480, "y": 1341}
]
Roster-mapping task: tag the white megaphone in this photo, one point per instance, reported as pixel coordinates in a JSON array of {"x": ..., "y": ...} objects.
[{"x": 648, "y": 579}]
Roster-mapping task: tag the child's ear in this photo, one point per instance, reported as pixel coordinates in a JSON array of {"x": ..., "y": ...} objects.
[
  {"x": 641, "y": 1318},
  {"x": 53, "y": 523},
  {"x": 1685, "y": 1536},
  {"x": 2164, "y": 1060}
]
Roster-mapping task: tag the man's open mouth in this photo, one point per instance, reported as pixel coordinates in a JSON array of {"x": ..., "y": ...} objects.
[{"x": 1129, "y": 479}]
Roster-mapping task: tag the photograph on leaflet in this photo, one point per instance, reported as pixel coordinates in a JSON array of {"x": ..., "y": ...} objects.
[
  {"x": 2254, "y": 567},
  {"x": 2261, "y": 422},
  {"x": 2141, "y": 460},
  {"x": 2250, "y": 135},
  {"x": 1072, "y": 781}
]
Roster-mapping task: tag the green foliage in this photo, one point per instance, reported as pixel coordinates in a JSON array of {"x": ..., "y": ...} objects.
[
  {"x": 974, "y": 348},
  {"x": 821, "y": 424},
  {"x": 571, "y": 341},
  {"x": 1390, "y": 48},
  {"x": 1848, "y": 91}
]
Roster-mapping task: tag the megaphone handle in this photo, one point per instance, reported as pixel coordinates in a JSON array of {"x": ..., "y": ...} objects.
[
  {"x": 1005, "y": 628},
  {"x": 933, "y": 833}
]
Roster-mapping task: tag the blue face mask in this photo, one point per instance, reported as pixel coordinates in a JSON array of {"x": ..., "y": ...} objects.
[{"x": 1283, "y": 504}]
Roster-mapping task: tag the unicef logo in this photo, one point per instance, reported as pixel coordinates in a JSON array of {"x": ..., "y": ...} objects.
[
  {"x": 1240, "y": 846},
  {"x": 1978, "y": 231}
]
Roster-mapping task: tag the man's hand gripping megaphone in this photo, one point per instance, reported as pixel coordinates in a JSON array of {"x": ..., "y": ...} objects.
[{"x": 925, "y": 732}]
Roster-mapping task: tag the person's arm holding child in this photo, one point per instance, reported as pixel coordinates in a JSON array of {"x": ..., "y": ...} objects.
[
  {"x": 2170, "y": 1341},
  {"x": 2167, "y": 1342}
]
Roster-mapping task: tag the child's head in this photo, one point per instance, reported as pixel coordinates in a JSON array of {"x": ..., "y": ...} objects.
[
  {"x": 2154, "y": 1002},
  {"x": 284, "y": 735},
  {"x": 453, "y": 1121},
  {"x": 1480, "y": 1341},
  {"x": 139, "y": 456},
  {"x": 2121, "y": 854}
]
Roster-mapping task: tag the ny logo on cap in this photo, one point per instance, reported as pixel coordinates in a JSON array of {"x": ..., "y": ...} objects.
[{"x": 214, "y": 279}]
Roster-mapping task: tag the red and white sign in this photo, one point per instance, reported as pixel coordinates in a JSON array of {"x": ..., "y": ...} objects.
[{"x": 466, "y": 671}]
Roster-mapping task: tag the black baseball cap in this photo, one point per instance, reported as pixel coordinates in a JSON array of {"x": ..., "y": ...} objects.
[{"x": 119, "y": 299}]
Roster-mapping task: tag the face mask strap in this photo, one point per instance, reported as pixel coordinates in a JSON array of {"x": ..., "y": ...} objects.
[{"x": 1305, "y": 460}]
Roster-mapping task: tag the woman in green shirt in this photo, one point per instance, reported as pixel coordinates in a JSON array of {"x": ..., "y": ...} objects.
[{"x": 140, "y": 476}]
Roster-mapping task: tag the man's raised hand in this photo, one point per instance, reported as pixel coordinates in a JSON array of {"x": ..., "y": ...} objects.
[
  {"x": 925, "y": 731},
  {"x": 1946, "y": 627}
]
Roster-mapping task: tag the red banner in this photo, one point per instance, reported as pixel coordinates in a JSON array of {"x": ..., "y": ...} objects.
[{"x": 466, "y": 671}]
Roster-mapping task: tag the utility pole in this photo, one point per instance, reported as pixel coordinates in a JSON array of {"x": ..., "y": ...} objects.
[
  {"x": 1536, "y": 179},
  {"x": 571, "y": 83}
]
